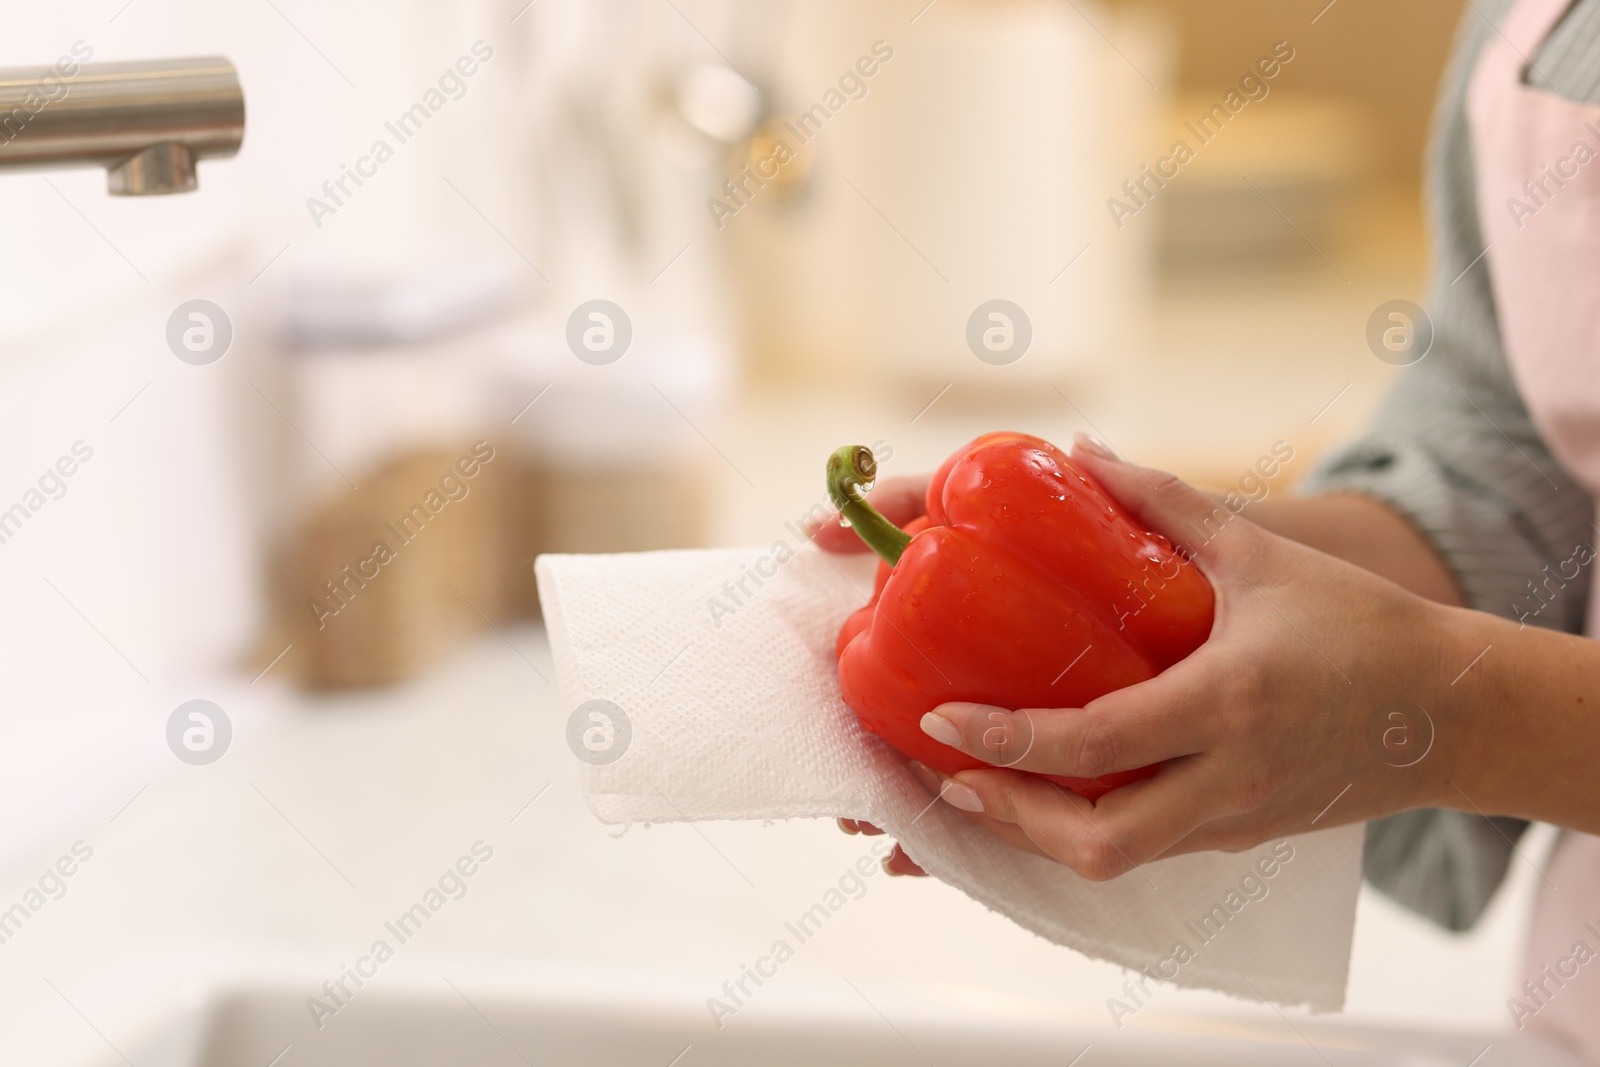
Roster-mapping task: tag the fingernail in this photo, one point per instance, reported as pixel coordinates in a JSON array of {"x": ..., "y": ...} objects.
[
  {"x": 926, "y": 775},
  {"x": 1094, "y": 446},
  {"x": 941, "y": 730},
  {"x": 960, "y": 796}
]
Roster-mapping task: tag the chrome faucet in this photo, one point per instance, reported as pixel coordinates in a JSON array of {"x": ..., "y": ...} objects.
[{"x": 147, "y": 122}]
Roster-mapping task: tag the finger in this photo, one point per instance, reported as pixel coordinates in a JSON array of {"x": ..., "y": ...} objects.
[
  {"x": 856, "y": 826},
  {"x": 1160, "y": 723},
  {"x": 898, "y": 863},
  {"x": 1011, "y": 834},
  {"x": 1126, "y": 828},
  {"x": 937, "y": 783},
  {"x": 899, "y": 499},
  {"x": 1194, "y": 522},
  {"x": 1008, "y": 833}
]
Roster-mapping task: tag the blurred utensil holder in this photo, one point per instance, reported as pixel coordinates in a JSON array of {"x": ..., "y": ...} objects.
[{"x": 421, "y": 480}]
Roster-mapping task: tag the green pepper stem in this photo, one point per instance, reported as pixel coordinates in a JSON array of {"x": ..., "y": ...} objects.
[{"x": 851, "y": 470}]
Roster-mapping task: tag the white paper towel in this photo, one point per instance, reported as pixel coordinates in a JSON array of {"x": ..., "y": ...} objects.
[{"x": 722, "y": 662}]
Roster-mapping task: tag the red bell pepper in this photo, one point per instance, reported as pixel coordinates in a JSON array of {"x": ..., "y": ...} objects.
[{"x": 1025, "y": 586}]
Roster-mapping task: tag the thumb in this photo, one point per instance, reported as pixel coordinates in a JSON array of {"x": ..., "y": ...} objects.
[{"x": 1197, "y": 524}]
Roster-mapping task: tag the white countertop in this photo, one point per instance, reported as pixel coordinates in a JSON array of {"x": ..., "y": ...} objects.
[{"x": 330, "y": 816}]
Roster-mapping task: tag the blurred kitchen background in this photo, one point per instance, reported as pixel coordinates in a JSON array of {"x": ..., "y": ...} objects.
[{"x": 385, "y": 330}]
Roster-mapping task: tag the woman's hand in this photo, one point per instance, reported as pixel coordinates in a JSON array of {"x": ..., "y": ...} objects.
[
  {"x": 1294, "y": 715},
  {"x": 1325, "y": 695}
]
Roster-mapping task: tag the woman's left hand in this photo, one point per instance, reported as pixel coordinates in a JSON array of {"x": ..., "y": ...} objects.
[{"x": 1295, "y": 714}]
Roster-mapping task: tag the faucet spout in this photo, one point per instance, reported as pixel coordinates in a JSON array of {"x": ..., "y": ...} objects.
[
  {"x": 147, "y": 122},
  {"x": 167, "y": 167}
]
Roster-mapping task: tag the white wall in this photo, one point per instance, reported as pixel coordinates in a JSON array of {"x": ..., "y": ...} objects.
[{"x": 144, "y": 577}]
